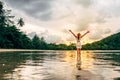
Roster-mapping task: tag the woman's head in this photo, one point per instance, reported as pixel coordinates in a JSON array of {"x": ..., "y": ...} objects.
[{"x": 78, "y": 35}]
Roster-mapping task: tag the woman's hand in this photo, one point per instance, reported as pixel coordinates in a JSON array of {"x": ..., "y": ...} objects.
[
  {"x": 70, "y": 30},
  {"x": 88, "y": 31}
]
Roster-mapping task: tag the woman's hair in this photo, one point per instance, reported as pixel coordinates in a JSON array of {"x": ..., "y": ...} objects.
[{"x": 78, "y": 36}]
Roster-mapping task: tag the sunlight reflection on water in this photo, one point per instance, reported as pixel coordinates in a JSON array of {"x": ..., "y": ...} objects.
[{"x": 60, "y": 65}]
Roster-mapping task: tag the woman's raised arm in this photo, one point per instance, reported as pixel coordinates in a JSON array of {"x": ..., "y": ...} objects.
[
  {"x": 85, "y": 34},
  {"x": 73, "y": 33}
]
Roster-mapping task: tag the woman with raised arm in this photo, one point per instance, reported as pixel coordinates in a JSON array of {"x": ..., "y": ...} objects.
[{"x": 78, "y": 39}]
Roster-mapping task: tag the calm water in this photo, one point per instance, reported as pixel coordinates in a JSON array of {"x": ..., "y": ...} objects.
[{"x": 59, "y": 65}]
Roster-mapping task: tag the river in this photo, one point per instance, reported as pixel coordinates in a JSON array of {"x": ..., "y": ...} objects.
[{"x": 59, "y": 65}]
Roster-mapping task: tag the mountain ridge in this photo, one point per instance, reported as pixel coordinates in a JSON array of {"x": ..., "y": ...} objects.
[{"x": 111, "y": 42}]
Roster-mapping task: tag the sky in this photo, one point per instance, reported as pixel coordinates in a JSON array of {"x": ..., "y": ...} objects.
[{"x": 52, "y": 19}]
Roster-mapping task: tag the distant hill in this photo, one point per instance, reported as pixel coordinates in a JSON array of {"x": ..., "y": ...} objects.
[{"x": 109, "y": 43}]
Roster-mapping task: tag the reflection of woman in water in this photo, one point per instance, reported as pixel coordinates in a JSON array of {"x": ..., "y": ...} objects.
[
  {"x": 78, "y": 46},
  {"x": 78, "y": 62},
  {"x": 78, "y": 39}
]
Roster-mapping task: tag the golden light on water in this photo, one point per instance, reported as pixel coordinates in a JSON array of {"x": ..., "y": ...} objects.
[
  {"x": 86, "y": 60},
  {"x": 70, "y": 56}
]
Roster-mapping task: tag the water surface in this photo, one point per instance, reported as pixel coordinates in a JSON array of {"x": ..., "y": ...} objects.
[{"x": 60, "y": 65}]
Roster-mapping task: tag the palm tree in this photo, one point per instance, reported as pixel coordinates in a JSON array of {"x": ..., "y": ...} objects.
[{"x": 20, "y": 22}]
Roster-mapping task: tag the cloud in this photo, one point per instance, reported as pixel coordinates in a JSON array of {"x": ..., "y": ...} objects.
[
  {"x": 83, "y": 24},
  {"x": 54, "y": 39},
  {"x": 49, "y": 38},
  {"x": 33, "y": 7},
  {"x": 97, "y": 12},
  {"x": 107, "y": 31},
  {"x": 70, "y": 38},
  {"x": 84, "y": 3},
  {"x": 96, "y": 35},
  {"x": 46, "y": 16},
  {"x": 31, "y": 35},
  {"x": 88, "y": 17},
  {"x": 118, "y": 31},
  {"x": 98, "y": 32},
  {"x": 110, "y": 8}
]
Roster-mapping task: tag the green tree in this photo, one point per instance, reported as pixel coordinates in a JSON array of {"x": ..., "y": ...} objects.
[
  {"x": 36, "y": 42},
  {"x": 43, "y": 44}
]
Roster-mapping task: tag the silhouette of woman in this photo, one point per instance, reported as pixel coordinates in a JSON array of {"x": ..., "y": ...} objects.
[{"x": 78, "y": 41}]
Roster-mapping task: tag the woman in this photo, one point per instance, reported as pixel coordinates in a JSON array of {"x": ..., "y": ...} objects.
[{"x": 78, "y": 39}]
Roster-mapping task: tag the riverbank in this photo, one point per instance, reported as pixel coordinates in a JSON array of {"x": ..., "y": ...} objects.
[
  {"x": 19, "y": 50},
  {"x": 31, "y": 50}
]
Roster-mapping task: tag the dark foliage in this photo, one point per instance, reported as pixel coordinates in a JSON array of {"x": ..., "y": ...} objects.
[
  {"x": 10, "y": 36},
  {"x": 109, "y": 43}
]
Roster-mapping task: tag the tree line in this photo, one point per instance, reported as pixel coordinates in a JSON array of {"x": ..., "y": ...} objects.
[{"x": 12, "y": 37}]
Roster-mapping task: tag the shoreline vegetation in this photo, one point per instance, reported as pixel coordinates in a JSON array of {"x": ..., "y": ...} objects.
[{"x": 12, "y": 38}]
